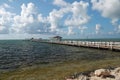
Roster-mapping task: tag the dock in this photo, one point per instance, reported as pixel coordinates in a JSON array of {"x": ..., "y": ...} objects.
[{"x": 89, "y": 44}]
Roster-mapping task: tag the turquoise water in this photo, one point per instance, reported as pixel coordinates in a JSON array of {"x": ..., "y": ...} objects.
[{"x": 18, "y": 53}]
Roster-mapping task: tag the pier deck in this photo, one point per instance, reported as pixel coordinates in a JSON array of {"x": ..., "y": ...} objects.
[{"x": 89, "y": 44}]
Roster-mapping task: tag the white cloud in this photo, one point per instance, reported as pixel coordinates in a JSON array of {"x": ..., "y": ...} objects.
[
  {"x": 2, "y": 27},
  {"x": 70, "y": 31},
  {"x": 5, "y": 6},
  {"x": 110, "y": 33},
  {"x": 60, "y": 3},
  {"x": 79, "y": 17},
  {"x": 82, "y": 29},
  {"x": 30, "y": 21},
  {"x": 76, "y": 14},
  {"x": 54, "y": 18},
  {"x": 41, "y": 18},
  {"x": 108, "y": 9},
  {"x": 25, "y": 18},
  {"x": 5, "y": 18},
  {"x": 98, "y": 28},
  {"x": 118, "y": 30}
]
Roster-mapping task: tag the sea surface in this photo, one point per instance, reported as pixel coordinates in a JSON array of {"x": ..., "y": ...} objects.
[{"x": 16, "y": 54}]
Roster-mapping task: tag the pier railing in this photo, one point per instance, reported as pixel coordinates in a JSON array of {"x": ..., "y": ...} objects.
[{"x": 91, "y": 44}]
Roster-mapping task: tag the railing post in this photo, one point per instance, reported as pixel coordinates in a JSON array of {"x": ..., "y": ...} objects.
[
  {"x": 98, "y": 45},
  {"x": 93, "y": 43},
  {"x": 111, "y": 46}
]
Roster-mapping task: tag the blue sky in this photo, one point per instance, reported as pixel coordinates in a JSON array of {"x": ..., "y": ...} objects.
[{"x": 20, "y": 19}]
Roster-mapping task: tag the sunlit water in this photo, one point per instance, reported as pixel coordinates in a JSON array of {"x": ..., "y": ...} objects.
[{"x": 17, "y": 53}]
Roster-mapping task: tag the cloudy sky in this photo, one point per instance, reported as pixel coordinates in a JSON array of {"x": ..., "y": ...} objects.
[{"x": 21, "y": 19}]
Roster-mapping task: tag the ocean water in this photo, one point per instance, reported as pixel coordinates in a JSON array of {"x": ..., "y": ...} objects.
[{"x": 16, "y": 54}]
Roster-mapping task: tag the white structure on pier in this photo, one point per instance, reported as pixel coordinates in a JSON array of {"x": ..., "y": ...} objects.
[{"x": 56, "y": 38}]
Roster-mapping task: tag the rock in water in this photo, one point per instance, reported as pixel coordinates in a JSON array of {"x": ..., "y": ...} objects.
[
  {"x": 102, "y": 73},
  {"x": 82, "y": 77}
]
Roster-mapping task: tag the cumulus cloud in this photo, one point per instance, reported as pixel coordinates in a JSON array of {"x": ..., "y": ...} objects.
[
  {"x": 118, "y": 30},
  {"x": 54, "y": 18},
  {"x": 98, "y": 28},
  {"x": 76, "y": 11},
  {"x": 5, "y": 6},
  {"x": 5, "y": 19},
  {"x": 25, "y": 18},
  {"x": 79, "y": 17},
  {"x": 3, "y": 29},
  {"x": 32, "y": 22},
  {"x": 108, "y": 9},
  {"x": 42, "y": 19},
  {"x": 82, "y": 29},
  {"x": 70, "y": 31},
  {"x": 60, "y": 3},
  {"x": 29, "y": 21}
]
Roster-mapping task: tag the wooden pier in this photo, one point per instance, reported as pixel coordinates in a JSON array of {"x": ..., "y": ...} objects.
[{"x": 89, "y": 44}]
